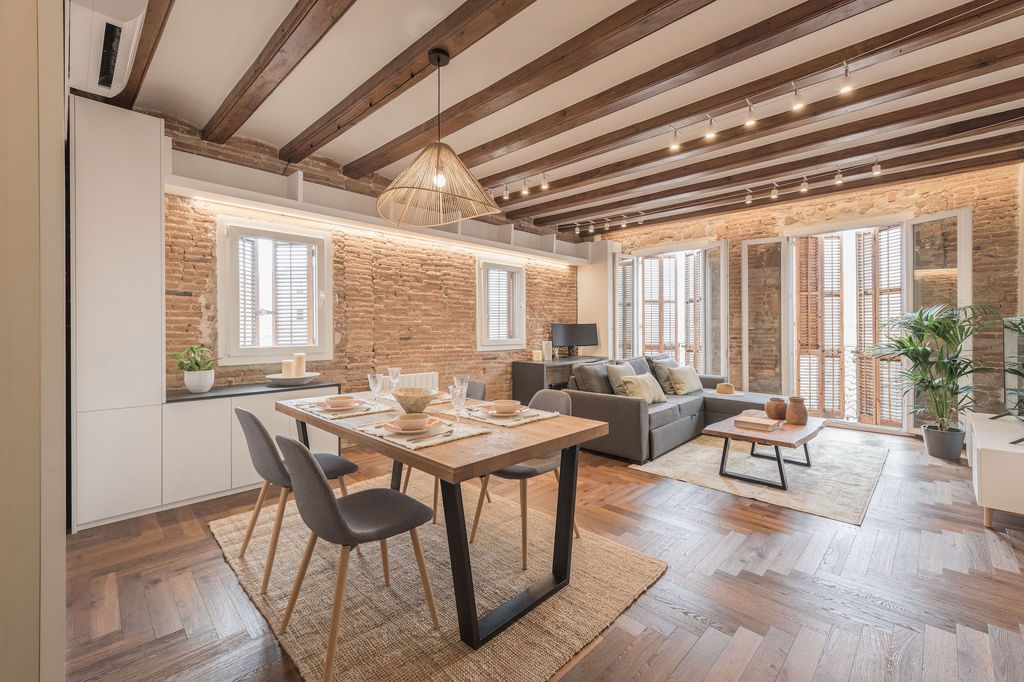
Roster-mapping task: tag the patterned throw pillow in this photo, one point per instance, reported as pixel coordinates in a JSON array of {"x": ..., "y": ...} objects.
[
  {"x": 685, "y": 380},
  {"x": 644, "y": 386},
  {"x": 615, "y": 374}
]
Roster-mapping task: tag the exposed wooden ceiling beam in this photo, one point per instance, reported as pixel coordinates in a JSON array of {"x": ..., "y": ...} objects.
[
  {"x": 883, "y": 148},
  {"x": 633, "y": 22},
  {"x": 992, "y": 95},
  {"x": 306, "y": 23},
  {"x": 791, "y": 24},
  {"x": 153, "y": 24},
  {"x": 731, "y": 188},
  {"x": 958, "y": 21},
  {"x": 737, "y": 204},
  {"x": 936, "y": 76},
  {"x": 470, "y": 22}
]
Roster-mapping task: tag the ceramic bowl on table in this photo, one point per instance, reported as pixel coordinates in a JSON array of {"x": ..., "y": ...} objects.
[
  {"x": 414, "y": 399},
  {"x": 341, "y": 402},
  {"x": 413, "y": 421},
  {"x": 505, "y": 407}
]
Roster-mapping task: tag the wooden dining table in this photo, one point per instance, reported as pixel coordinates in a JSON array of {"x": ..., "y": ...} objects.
[{"x": 467, "y": 459}]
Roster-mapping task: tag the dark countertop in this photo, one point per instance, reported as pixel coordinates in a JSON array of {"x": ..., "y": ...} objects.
[
  {"x": 564, "y": 361},
  {"x": 182, "y": 395}
]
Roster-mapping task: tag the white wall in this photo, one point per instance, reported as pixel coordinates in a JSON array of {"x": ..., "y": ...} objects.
[{"x": 594, "y": 302}]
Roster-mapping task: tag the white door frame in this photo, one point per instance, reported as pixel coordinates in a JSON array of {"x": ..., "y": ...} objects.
[
  {"x": 788, "y": 300},
  {"x": 637, "y": 274},
  {"x": 723, "y": 306}
]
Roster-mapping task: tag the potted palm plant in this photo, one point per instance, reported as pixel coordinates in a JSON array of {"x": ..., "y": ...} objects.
[
  {"x": 932, "y": 341},
  {"x": 197, "y": 364}
]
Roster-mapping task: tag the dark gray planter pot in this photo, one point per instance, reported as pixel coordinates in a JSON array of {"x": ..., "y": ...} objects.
[{"x": 943, "y": 444}]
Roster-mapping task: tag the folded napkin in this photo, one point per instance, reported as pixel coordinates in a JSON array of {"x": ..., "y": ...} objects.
[
  {"x": 524, "y": 417},
  {"x": 419, "y": 440}
]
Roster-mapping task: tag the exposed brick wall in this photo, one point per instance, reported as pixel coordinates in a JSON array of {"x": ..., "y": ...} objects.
[
  {"x": 397, "y": 302},
  {"x": 993, "y": 194}
]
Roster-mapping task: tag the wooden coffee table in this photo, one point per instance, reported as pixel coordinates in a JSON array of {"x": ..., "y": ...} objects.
[{"x": 787, "y": 436}]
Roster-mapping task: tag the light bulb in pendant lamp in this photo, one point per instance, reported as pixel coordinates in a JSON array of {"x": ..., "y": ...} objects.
[
  {"x": 710, "y": 132},
  {"x": 845, "y": 83},
  {"x": 749, "y": 199},
  {"x": 775, "y": 190},
  {"x": 751, "y": 119},
  {"x": 876, "y": 169},
  {"x": 525, "y": 190},
  {"x": 674, "y": 146},
  {"x": 544, "y": 181},
  {"x": 436, "y": 188},
  {"x": 839, "y": 177},
  {"x": 797, "y": 102},
  {"x": 804, "y": 186}
]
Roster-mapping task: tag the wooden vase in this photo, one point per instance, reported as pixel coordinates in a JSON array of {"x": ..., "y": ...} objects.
[
  {"x": 775, "y": 408},
  {"x": 796, "y": 411}
]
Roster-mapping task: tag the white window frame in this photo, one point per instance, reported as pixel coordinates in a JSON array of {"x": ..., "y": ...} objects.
[
  {"x": 229, "y": 351},
  {"x": 518, "y": 342}
]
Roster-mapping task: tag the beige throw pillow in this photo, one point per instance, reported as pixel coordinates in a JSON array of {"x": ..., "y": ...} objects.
[
  {"x": 644, "y": 386},
  {"x": 685, "y": 380},
  {"x": 661, "y": 368},
  {"x": 615, "y": 374}
]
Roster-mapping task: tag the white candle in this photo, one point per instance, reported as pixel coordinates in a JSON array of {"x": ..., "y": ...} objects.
[
  {"x": 300, "y": 364},
  {"x": 288, "y": 368}
]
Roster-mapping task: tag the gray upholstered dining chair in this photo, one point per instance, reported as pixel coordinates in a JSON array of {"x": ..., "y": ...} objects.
[
  {"x": 268, "y": 464},
  {"x": 475, "y": 390},
  {"x": 372, "y": 515},
  {"x": 545, "y": 399}
]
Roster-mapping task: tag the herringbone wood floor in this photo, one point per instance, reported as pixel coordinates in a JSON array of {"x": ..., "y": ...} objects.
[{"x": 920, "y": 591}]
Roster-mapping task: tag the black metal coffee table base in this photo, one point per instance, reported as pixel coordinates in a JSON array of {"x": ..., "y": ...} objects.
[{"x": 781, "y": 484}]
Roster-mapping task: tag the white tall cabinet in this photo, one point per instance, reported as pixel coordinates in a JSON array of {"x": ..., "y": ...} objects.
[{"x": 117, "y": 305}]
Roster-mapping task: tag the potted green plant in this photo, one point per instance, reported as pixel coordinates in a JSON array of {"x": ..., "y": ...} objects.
[
  {"x": 932, "y": 341},
  {"x": 197, "y": 364}
]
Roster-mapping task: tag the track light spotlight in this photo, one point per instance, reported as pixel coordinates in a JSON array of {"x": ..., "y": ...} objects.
[
  {"x": 505, "y": 194},
  {"x": 641, "y": 221},
  {"x": 845, "y": 83},
  {"x": 751, "y": 119},
  {"x": 877, "y": 168},
  {"x": 804, "y": 186},
  {"x": 839, "y": 176},
  {"x": 623, "y": 221},
  {"x": 749, "y": 199},
  {"x": 710, "y": 132},
  {"x": 525, "y": 190},
  {"x": 674, "y": 145},
  {"x": 775, "y": 190},
  {"x": 797, "y": 103},
  {"x": 544, "y": 181}
]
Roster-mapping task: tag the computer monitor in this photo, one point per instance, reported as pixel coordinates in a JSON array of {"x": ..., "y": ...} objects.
[{"x": 572, "y": 335}]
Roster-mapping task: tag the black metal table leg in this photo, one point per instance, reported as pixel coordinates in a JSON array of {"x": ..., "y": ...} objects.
[
  {"x": 805, "y": 462},
  {"x": 474, "y": 630},
  {"x": 723, "y": 470},
  {"x": 303, "y": 431},
  {"x": 396, "y": 475}
]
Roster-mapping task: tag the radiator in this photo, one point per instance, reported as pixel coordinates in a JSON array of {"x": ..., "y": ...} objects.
[{"x": 421, "y": 380}]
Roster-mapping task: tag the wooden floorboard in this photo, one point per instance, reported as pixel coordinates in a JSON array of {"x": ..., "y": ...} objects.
[{"x": 919, "y": 591}]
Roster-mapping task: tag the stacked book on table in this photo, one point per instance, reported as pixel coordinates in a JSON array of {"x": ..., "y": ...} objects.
[{"x": 758, "y": 423}]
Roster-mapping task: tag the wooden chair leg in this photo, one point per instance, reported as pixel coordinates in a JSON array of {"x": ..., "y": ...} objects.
[
  {"x": 344, "y": 492},
  {"x": 423, "y": 576},
  {"x": 281, "y": 504},
  {"x": 255, "y": 517},
  {"x": 487, "y": 493},
  {"x": 522, "y": 513},
  {"x": 479, "y": 506},
  {"x": 299, "y": 577},
  {"x": 575, "y": 528},
  {"x": 384, "y": 562},
  {"x": 408, "y": 475},
  {"x": 339, "y": 599},
  {"x": 437, "y": 490}
]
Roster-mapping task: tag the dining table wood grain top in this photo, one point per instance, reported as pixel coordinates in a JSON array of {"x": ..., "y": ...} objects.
[{"x": 466, "y": 458}]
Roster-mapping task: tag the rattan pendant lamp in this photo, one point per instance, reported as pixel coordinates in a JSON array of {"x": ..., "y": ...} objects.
[{"x": 437, "y": 188}]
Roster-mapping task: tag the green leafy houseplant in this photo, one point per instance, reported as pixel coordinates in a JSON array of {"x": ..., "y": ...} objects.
[
  {"x": 194, "y": 359},
  {"x": 932, "y": 341}
]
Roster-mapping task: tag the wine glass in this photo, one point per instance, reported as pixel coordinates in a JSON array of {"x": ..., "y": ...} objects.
[
  {"x": 394, "y": 374},
  {"x": 376, "y": 380},
  {"x": 461, "y": 381},
  {"x": 458, "y": 396}
]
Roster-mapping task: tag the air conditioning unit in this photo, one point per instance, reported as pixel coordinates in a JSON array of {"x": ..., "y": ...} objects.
[{"x": 103, "y": 37}]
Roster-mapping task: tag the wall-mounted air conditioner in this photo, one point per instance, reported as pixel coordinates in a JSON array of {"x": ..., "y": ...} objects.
[{"x": 103, "y": 38}]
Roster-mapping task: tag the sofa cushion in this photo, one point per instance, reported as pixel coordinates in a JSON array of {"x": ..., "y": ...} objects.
[
  {"x": 615, "y": 374},
  {"x": 684, "y": 380},
  {"x": 687, "y": 404},
  {"x": 639, "y": 364},
  {"x": 660, "y": 414},
  {"x": 592, "y": 376},
  {"x": 644, "y": 386},
  {"x": 661, "y": 366}
]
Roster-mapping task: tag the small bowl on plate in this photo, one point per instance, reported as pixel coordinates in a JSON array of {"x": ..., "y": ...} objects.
[
  {"x": 414, "y": 399},
  {"x": 341, "y": 402},
  {"x": 505, "y": 407},
  {"x": 413, "y": 421}
]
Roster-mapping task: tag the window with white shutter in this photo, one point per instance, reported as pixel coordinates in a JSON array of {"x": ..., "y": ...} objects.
[
  {"x": 501, "y": 306},
  {"x": 274, "y": 292}
]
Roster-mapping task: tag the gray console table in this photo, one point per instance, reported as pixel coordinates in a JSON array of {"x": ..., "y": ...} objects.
[{"x": 528, "y": 377}]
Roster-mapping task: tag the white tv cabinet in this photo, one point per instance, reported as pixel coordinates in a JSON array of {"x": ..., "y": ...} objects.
[{"x": 998, "y": 465}]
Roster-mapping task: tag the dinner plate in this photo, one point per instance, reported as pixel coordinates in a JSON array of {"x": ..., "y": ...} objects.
[
  {"x": 394, "y": 428},
  {"x": 326, "y": 407}
]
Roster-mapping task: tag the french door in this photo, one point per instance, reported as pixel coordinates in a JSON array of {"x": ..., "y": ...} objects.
[{"x": 820, "y": 349}]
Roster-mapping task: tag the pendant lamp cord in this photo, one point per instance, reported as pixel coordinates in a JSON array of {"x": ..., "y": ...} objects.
[{"x": 439, "y": 103}]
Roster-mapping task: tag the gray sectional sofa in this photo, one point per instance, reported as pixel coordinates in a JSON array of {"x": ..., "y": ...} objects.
[{"x": 640, "y": 432}]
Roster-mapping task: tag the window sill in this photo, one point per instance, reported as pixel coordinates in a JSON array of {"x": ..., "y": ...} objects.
[
  {"x": 514, "y": 345},
  {"x": 271, "y": 358}
]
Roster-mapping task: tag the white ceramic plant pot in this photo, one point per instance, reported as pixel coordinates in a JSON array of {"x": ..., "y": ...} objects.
[{"x": 199, "y": 382}]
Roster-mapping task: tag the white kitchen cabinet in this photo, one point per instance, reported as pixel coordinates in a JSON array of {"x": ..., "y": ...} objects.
[
  {"x": 196, "y": 449},
  {"x": 117, "y": 467}
]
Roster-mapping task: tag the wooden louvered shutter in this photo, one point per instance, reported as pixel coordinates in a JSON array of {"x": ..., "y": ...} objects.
[
  {"x": 293, "y": 304},
  {"x": 880, "y": 283},
  {"x": 693, "y": 309},
  {"x": 500, "y": 304},
  {"x": 248, "y": 299},
  {"x": 889, "y": 305},
  {"x": 625, "y": 311},
  {"x": 819, "y": 336},
  {"x": 833, "y": 365},
  {"x": 659, "y": 311}
]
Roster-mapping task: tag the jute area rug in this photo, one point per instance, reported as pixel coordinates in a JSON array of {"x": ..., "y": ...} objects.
[
  {"x": 838, "y": 485},
  {"x": 385, "y": 632}
]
